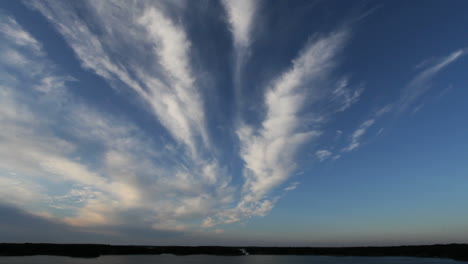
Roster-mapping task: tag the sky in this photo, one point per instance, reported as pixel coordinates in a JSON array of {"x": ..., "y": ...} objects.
[{"x": 242, "y": 122}]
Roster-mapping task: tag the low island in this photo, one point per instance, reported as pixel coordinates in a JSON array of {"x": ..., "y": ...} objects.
[{"x": 453, "y": 251}]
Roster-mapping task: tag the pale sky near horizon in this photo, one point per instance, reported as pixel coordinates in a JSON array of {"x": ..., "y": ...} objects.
[{"x": 255, "y": 122}]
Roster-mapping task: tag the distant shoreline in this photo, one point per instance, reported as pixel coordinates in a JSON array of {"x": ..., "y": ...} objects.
[{"x": 451, "y": 251}]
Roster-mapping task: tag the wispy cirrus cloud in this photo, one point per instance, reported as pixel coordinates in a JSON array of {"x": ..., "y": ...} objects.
[
  {"x": 169, "y": 90},
  {"x": 292, "y": 186},
  {"x": 420, "y": 84},
  {"x": 416, "y": 88},
  {"x": 159, "y": 71},
  {"x": 14, "y": 33},
  {"x": 184, "y": 106},
  {"x": 323, "y": 154},
  {"x": 357, "y": 135},
  {"x": 112, "y": 169},
  {"x": 269, "y": 150},
  {"x": 45, "y": 144},
  {"x": 150, "y": 123},
  {"x": 166, "y": 84},
  {"x": 241, "y": 16}
]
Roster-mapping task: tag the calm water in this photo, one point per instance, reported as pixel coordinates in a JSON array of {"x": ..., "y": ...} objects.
[{"x": 169, "y": 259}]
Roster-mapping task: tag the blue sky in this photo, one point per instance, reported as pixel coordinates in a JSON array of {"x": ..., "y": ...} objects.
[{"x": 234, "y": 122}]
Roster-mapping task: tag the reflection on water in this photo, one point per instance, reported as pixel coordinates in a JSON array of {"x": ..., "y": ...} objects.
[{"x": 199, "y": 259}]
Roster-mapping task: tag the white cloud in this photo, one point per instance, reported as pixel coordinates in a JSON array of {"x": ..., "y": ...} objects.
[
  {"x": 169, "y": 90},
  {"x": 323, "y": 154},
  {"x": 345, "y": 96},
  {"x": 336, "y": 157},
  {"x": 384, "y": 110},
  {"x": 182, "y": 112},
  {"x": 111, "y": 167},
  {"x": 292, "y": 186},
  {"x": 416, "y": 88},
  {"x": 241, "y": 15},
  {"x": 208, "y": 222},
  {"x": 269, "y": 152},
  {"x": 21, "y": 192},
  {"x": 123, "y": 175},
  {"x": 51, "y": 84},
  {"x": 357, "y": 135},
  {"x": 421, "y": 83},
  {"x": 10, "y": 28}
]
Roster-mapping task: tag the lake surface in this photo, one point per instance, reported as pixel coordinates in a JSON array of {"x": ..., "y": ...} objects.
[{"x": 199, "y": 259}]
